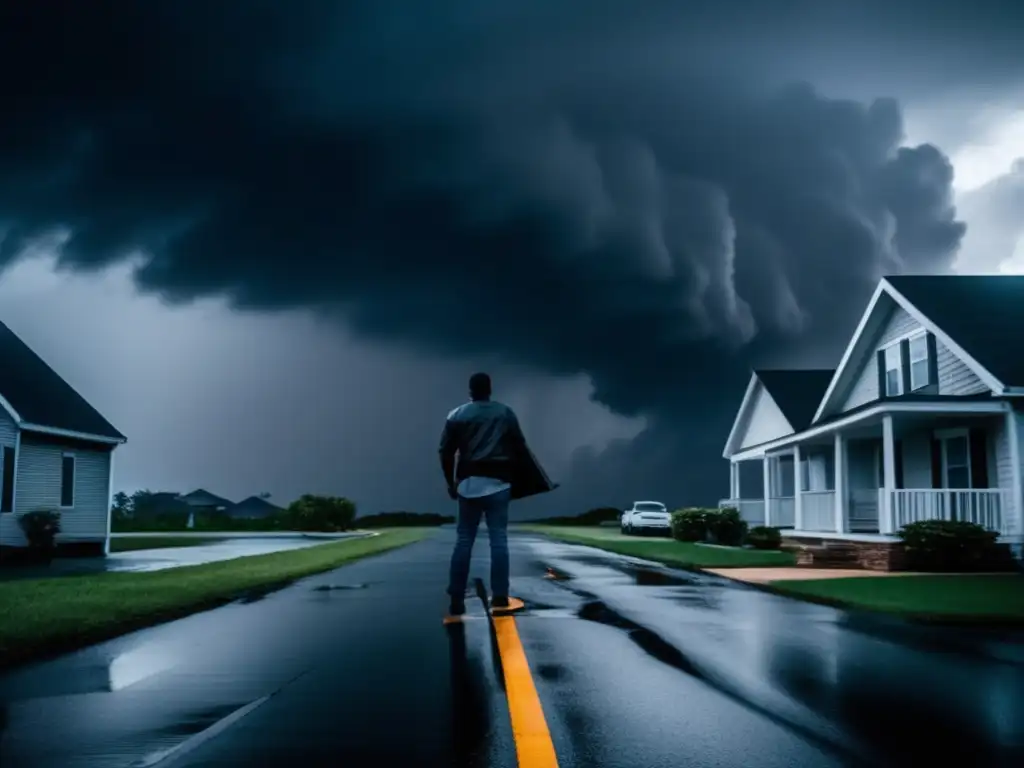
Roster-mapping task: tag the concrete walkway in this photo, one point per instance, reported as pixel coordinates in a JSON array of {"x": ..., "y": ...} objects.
[{"x": 767, "y": 575}]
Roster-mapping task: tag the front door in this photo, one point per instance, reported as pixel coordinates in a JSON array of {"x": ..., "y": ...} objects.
[
  {"x": 955, "y": 456},
  {"x": 864, "y": 480}
]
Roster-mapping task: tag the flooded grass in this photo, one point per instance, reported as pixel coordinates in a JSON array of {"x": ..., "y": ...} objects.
[
  {"x": 679, "y": 554},
  {"x": 968, "y": 598},
  {"x": 42, "y": 617}
]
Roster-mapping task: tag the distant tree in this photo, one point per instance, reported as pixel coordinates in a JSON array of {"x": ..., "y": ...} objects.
[
  {"x": 122, "y": 506},
  {"x": 321, "y": 513}
]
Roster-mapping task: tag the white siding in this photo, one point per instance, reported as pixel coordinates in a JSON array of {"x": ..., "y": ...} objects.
[
  {"x": 1015, "y": 515},
  {"x": 764, "y": 421},
  {"x": 955, "y": 378},
  {"x": 10, "y": 533},
  {"x": 39, "y": 475}
]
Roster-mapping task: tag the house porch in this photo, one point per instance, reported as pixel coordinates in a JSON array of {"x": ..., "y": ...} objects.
[{"x": 861, "y": 482}]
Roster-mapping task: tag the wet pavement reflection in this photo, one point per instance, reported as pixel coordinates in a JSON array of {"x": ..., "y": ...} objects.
[{"x": 871, "y": 686}]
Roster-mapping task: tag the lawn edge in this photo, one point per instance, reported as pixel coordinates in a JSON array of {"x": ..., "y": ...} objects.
[
  {"x": 59, "y": 646},
  {"x": 693, "y": 568},
  {"x": 930, "y": 619}
]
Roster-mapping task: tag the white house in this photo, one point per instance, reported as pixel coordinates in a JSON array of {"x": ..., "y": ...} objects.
[
  {"x": 921, "y": 420},
  {"x": 56, "y": 452}
]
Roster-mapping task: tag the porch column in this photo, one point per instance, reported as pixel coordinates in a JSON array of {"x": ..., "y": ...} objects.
[
  {"x": 888, "y": 474},
  {"x": 840, "y": 482},
  {"x": 734, "y": 480},
  {"x": 798, "y": 507},
  {"x": 767, "y": 490}
]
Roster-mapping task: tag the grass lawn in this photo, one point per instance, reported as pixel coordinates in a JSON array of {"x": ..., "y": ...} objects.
[
  {"x": 130, "y": 544},
  {"x": 954, "y": 597},
  {"x": 46, "y": 616},
  {"x": 664, "y": 550}
]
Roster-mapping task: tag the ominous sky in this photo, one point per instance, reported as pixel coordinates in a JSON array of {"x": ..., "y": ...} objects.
[{"x": 270, "y": 241}]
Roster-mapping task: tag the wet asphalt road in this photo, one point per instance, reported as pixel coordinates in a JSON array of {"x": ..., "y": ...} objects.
[{"x": 634, "y": 667}]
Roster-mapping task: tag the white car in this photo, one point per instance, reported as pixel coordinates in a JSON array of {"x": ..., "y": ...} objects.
[{"x": 646, "y": 517}]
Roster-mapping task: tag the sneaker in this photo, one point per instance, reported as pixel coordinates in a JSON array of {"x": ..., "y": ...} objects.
[
  {"x": 456, "y": 607},
  {"x": 499, "y": 602}
]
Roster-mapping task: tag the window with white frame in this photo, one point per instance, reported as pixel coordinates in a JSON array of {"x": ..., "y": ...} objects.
[
  {"x": 893, "y": 371},
  {"x": 918, "y": 347}
]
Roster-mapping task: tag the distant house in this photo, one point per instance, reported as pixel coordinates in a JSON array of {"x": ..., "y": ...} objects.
[
  {"x": 201, "y": 500},
  {"x": 158, "y": 504},
  {"x": 56, "y": 452},
  {"x": 922, "y": 420},
  {"x": 254, "y": 508}
]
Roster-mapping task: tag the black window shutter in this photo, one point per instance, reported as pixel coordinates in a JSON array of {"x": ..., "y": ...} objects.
[
  {"x": 936, "y": 464},
  {"x": 979, "y": 458},
  {"x": 7, "y": 481},
  {"x": 933, "y": 359},
  {"x": 880, "y": 364},
  {"x": 905, "y": 364},
  {"x": 898, "y": 461}
]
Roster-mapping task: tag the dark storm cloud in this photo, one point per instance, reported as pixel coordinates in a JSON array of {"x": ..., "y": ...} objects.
[{"x": 572, "y": 186}]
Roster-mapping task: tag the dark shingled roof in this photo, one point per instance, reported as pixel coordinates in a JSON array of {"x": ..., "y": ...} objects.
[
  {"x": 253, "y": 506},
  {"x": 797, "y": 392},
  {"x": 41, "y": 396},
  {"x": 984, "y": 314}
]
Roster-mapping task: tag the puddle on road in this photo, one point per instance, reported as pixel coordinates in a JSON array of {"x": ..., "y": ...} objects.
[
  {"x": 659, "y": 649},
  {"x": 338, "y": 587},
  {"x": 646, "y": 577},
  {"x": 552, "y": 672},
  {"x": 138, "y": 664}
]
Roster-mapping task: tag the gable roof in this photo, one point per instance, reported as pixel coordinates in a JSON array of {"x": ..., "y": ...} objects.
[
  {"x": 38, "y": 399},
  {"x": 796, "y": 392},
  {"x": 253, "y": 506},
  {"x": 984, "y": 314},
  {"x": 203, "y": 498},
  {"x": 982, "y": 333}
]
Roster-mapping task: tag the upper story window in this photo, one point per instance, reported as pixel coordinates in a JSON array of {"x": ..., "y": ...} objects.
[
  {"x": 918, "y": 351},
  {"x": 893, "y": 371}
]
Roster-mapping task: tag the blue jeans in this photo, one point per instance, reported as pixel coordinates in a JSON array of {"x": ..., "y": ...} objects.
[{"x": 471, "y": 511}]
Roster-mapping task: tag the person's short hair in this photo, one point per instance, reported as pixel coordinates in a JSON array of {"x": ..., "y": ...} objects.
[{"x": 479, "y": 385}]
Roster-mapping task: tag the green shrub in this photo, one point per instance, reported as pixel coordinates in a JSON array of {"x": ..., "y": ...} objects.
[
  {"x": 690, "y": 524},
  {"x": 41, "y": 527},
  {"x": 725, "y": 526},
  {"x": 764, "y": 537},
  {"x": 951, "y": 546}
]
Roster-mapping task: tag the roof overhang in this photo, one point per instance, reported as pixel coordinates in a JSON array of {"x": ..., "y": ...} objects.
[
  {"x": 858, "y": 347},
  {"x": 71, "y": 434},
  {"x": 974, "y": 407}
]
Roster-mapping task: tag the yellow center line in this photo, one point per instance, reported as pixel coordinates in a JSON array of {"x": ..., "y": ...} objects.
[{"x": 534, "y": 748}]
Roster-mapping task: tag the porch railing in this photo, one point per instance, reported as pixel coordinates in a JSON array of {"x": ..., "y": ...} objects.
[
  {"x": 751, "y": 510},
  {"x": 986, "y": 507},
  {"x": 783, "y": 512},
  {"x": 819, "y": 510}
]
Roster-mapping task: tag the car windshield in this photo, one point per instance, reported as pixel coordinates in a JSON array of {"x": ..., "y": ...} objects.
[{"x": 649, "y": 506}]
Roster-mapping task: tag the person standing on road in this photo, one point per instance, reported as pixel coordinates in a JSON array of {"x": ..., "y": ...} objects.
[{"x": 494, "y": 467}]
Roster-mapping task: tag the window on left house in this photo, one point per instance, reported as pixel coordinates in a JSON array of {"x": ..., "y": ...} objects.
[
  {"x": 7, "y": 479},
  {"x": 67, "y": 480}
]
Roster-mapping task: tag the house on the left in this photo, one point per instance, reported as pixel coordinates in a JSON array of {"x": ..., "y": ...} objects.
[{"x": 56, "y": 453}]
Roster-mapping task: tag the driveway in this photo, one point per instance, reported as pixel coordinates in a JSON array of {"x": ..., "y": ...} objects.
[
  {"x": 633, "y": 666},
  {"x": 228, "y": 547}
]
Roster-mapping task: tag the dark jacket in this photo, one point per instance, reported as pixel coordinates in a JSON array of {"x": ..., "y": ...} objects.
[{"x": 489, "y": 442}]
